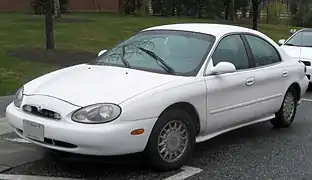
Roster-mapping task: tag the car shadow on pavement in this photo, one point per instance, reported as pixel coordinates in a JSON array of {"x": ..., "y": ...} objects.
[
  {"x": 246, "y": 142},
  {"x": 249, "y": 134},
  {"x": 96, "y": 167},
  {"x": 137, "y": 162}
]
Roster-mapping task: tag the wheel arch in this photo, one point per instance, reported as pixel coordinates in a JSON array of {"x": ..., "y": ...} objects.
[
  {"x": 190, "y": 109},
  {"x": 297, "y": 88}
]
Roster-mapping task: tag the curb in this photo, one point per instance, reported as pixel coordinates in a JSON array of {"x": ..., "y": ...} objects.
[
  {"x": 4, "y": 102},
  {"x": 6, "y": 97},
  {"x": 5, "y": 127}
]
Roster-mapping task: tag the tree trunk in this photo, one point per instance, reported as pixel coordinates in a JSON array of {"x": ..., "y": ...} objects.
[
  {"x": 293, "y": 6},
  {"x": 302, "y": 10},
  {"x": 230, "y": 10},
  {"x": 255, "y": 13},
  {"x": 49, "y": 25},
  {"x": 199, "y": 11},
  {"x": 173, "y": 11},
  {"x": 267, "y": 12},
  {"x": 226, "y": 12},
  {"x": 244, "y": 12},
  {"x": 57, "y": 9},
  {"x": 233, "y": 10}
]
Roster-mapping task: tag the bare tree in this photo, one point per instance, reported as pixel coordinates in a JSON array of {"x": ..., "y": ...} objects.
[
  {"x": 255, "y": 13},
  {"x": 49, "y": 25},
  {"x": 267, "y": 11},
  {"x": 57, "y": 9}
]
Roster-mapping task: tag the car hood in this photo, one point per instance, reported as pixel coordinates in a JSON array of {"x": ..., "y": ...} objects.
[
  {"x": 292, "y": 51},
  {"x": 298, "y": 53},
  {"x": 306, "y": 53},
  {"x": 84, "y": 85}
]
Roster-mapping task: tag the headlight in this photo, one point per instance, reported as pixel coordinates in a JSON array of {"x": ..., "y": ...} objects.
[
  {"x": 97, "y": 113},
  {"x": 19, "y": 97}
]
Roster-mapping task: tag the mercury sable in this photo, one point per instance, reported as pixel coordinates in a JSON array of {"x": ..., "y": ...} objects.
[
  {"x": 160, "y": 92},
  {"x": 299, "y": 47}
]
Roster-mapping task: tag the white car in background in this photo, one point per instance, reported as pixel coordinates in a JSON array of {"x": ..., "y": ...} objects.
[
  {"x": 160, "y": 92},
  {"x": 299, "y": 47}
]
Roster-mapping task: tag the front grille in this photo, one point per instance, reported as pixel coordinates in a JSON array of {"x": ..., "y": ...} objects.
[
  {"x": 41, "y": 112},
  {"x": 52, "y": 141},
  {"x": 307, "y": 63}
]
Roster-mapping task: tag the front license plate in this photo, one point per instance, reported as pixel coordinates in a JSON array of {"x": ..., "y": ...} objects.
[{"x": 33, "y": 130}]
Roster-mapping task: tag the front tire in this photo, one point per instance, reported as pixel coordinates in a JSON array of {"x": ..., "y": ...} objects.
[
  {"x": 285, "y": 116},
  {"x": 172, "y": 140}
]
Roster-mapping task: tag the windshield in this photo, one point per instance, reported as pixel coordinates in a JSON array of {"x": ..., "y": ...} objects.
[
  {"x": 302, "y": 39},
  {"x": 161, "y": 51}
]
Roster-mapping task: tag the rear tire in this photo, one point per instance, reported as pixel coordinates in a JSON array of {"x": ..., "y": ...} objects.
[
  {"x": 172, "y": 140},
  {"x": 285, "y": 116}
]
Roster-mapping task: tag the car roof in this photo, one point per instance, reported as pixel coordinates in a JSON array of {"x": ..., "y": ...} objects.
[
  {"x": 306, "y": 29},
  {"x": 217, "y": 30},
  {"x": 303, "y": 30}
]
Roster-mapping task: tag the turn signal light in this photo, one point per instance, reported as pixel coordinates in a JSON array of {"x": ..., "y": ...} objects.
[{"x": 137, "y": 132}]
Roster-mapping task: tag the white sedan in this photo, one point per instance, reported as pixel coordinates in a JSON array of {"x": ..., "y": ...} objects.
[
  {"x": 299, "y": 47},
  {"x": 162, "y": 91}
]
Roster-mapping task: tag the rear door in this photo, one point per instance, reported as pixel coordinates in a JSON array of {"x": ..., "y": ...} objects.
[{"x": 270, "y": 75}]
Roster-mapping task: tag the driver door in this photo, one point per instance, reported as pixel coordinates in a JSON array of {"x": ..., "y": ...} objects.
[{"x": 230, "y": 96}]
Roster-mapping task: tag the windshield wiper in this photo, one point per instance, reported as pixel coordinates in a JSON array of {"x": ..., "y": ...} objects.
[
  {"x": 124, "y": 61},
  {"x": 298, "y": 45},
  {"x": 164, "y": 65},
  {"x": 289, "y": 44}
]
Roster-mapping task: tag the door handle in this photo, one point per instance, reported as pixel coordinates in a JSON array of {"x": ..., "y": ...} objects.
[
  {"x": 250, "y": 81},
  {"x": 285, "y": 74}
]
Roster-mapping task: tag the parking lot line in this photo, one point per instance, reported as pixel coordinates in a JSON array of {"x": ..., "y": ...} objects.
[
  {"x": 18, "y": 140},
  {"x": 22, "y": 177},
  {"x": 306, "y": 99},
  {"x": 5, "y": 127},
  {"x": 187, "y": 172}
]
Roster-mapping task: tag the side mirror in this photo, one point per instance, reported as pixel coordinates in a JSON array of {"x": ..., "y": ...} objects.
[
  {"x": 281, "y": 41},
  {"x": 102, "y": 52},
  {"x": 222, "y": 68}
]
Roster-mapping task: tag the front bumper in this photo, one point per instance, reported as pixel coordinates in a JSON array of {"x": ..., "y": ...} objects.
[
  {"x": 308, "y": 64},
  {"x": 304, "y": 84},
  {"x": 309, "y": 73},
  {"x": 102, "y": 139}
]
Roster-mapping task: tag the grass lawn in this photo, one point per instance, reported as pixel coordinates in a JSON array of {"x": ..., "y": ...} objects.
[{"x": 103, "y": 30}]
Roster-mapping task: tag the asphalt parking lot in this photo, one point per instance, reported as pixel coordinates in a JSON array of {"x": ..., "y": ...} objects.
[{"x": 254, "y": 152}]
